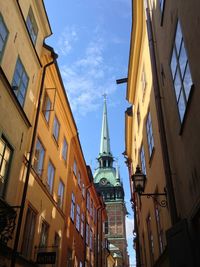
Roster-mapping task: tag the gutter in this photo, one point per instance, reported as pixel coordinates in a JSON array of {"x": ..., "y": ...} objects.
[{"x": 29, "y": 165}]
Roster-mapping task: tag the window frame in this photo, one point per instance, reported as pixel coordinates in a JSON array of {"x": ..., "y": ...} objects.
[
  {"x": 56, "y": 129},
  {"x": 7, "y": 166},
  {"x": 46, "y": 227},
  {"x": 64, "y": 149},
  {"x": 72, "y": 209},
  {"x": 29, "y": 233},
  {"x": 51, "y": 184},
  {"x": 34, "y": 162},
  {"x": 150, "y": 137},
  {"x": 45, "y": 111},
  {"x": 78, "y": 214},
  {"x": 142, "y": 159},
  {"x": 176, "y": 72},
  {"x": 34, "y": 27},
  {"x": 6, "y": 38},
  {"x": 17, "y": 86},
  {"x": 61, "y": 197}
]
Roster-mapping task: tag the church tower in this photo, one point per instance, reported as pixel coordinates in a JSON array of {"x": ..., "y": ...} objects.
[{"x": 108, "y": 183}]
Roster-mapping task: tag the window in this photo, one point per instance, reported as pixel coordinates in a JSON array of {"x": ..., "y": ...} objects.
[
  {"x": 5, "y": 160},
  {"x": 159, "y": 229},
  {"x": 142, "y": 159},
  {"x": 79, "y": 179},
  {"x": 75, "y": 168},
  {"x": 91, "y": 208},
  {"x": 144, "y": 83},
  {"x": 20, "y": 82},
  {"x": 87, "y": 234},
  {"x": 56, "y": 128},
  {"x": 91, "y": 239},
  {"x": 3, "y": 36},
  {"x": 29, "y": 230},
  {"x": 39, "y": 157},
  {"x": 150, "y": 238},
  {"x": 50, "y": 176},
  {"x": 161, "y": 2},
  {"x": 64, "y": 149},
  {"x": 88, "y": 201},
  {"x": 95, "y": 214},
  {"x": 60, "y": 194},
  {"x": 46, "y": 107},
  {"x": 44, "y": 234},
  {"x": 180, "y": 69},
  {"x": 32, "y": 26},
  {"x": 83, "y": 189},
  {"x": 82, "y": 224},
  {"x": 150, "y": 134},
  {"x": 72, "y": 207},
  {"x": 138, "y": 116},
  {"x": 57, "y": 240},
  {"x": 77, "y": 217}
]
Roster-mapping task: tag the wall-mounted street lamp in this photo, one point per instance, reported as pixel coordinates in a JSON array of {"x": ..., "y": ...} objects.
[{"x": 139, "y": 182}]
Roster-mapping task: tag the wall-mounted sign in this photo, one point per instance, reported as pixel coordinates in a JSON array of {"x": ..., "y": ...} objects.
[{"x": 46, "y": 258}]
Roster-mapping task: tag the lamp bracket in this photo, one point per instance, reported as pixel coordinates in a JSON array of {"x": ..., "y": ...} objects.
[{"x": 154, "y": 196}]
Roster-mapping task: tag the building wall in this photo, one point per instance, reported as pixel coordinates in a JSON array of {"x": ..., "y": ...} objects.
[
  {"x": 182, "y": 131},
  {"x": 47, "y": 222},
  {"x": 152, "y": 221}
]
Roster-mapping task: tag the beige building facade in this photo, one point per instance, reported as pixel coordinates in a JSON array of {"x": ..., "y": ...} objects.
[
  {"x": 175, "y": 27},
  {"x": 163, "y": 82}
]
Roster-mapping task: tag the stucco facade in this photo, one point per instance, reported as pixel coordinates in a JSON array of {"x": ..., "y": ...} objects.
[
  {"x": 46, "y": 213},
  {"x": 144, "y": 148}
]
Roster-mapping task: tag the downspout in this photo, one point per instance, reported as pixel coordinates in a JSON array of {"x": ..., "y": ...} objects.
[
  {"x": 84, "y": 238},
  {"x": 169, "y": 182},
  {"x": 101, "y": 232},
  {"x": 97, "y": 240},
  {"x": 29, "y": 165}
]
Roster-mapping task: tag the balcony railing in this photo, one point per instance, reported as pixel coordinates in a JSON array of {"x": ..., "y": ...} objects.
[{"x": 7, "y": 221}]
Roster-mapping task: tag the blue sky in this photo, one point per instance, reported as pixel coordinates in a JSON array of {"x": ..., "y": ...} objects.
[{"x": 92, "y": 39}]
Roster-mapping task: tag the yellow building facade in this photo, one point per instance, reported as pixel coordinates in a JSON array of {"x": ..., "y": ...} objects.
[
  {"x": 144, "y": 148},
  {"x": 50, "y": 211}
]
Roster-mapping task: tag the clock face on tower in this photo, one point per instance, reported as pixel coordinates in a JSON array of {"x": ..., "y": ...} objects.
[{"x": 103, "y": 181}]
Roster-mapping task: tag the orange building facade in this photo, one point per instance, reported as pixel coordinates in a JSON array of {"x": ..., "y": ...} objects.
[{"x": 50, "y": 211}]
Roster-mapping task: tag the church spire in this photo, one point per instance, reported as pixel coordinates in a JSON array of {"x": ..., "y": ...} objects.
[{"x": 105, "y": 139}]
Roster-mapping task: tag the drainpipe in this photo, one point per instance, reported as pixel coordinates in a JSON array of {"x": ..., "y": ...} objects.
[
  {"x": 29, "y": 165},
  {"x": 169, "y": 182},
  {"x": 97, "y": 240},
  {"x": 101, "y": 232},
  {"x": 84, "y": 238}
]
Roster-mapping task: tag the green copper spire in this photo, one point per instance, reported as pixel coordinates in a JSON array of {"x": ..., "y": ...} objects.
[{"x": 105, "y": 139}]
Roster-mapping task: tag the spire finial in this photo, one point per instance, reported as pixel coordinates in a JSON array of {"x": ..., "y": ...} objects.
[{"x": 105, "y": 139}]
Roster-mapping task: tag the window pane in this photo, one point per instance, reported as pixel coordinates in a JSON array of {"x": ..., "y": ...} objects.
[
  {"x": 187, "y": 81},
  {"x": 177, "y": 84},
  {"x": 178, "y": 38},
  {"x": 181, "y": 106},
  {"x": 32, "y": 26},
  {"x": 29, "y": 231},
  {"x": 173, "y": 63},
  {"x": 183, "y": 59},
  {"x": 5, "y": 159},
  {"x": 20, "y": 82},
  {"x": 50, "y": 176}
]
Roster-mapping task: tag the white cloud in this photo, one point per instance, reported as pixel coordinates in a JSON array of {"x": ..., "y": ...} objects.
[
  {"x": 129, "y": 228},
  {"x": 88, "y": 78},
  {"x": 67, "y": 39}
]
